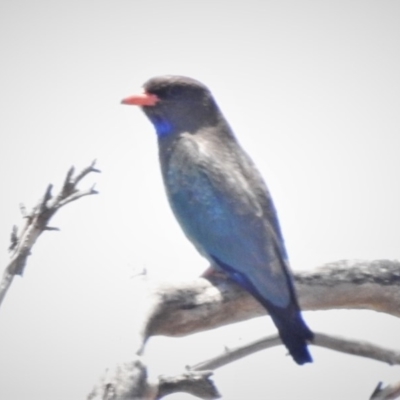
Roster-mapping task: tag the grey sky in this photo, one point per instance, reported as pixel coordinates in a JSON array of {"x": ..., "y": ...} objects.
[{"x": 312, "y": 90}]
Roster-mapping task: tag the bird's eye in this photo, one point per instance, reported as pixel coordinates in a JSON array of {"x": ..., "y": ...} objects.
[
  {"x": 166, "y": 93},
  {"x": 174, "y": 92}
]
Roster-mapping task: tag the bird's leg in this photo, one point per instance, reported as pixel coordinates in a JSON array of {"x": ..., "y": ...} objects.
[{"x": 213, "y": 272}]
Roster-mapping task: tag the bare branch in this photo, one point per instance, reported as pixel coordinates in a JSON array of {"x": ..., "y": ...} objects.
[
  {"x": 67, "y": 187},
  {"x": 184, "y": 308},
  {"x": 13, "y": 238},
  {"x": 129, "y": 381},
  {"x": 86, "y": 171},
  {"x": 75, "y": 196},
  {"x": 201, "y": 386},
  {"x": 197, "y": 384},
  {"x": 354, "y": 347},
  {"x": 389, "y": 392},
  {"x": 126, "y": 381},
  {"x": 231, "y": 355},
  {"x": 357, "y": 348},
  {"x": 43, "y": 207},
  {"x": 51, "y": 228},
  {"x": 37, "y": 221},
  {"x": 187, "y": 307}
]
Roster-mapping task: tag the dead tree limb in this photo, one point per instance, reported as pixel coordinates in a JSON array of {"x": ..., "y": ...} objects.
[
  {"x": 129, "y": 381},
  {"x": 196, "y": 383},
  {"x": 184, "y": 308},
  {"x": 343, "y": 345},
  {"x": 188, "y": 307},
  {"x": 37, "y": 221},
  {"x": 125, "y": 381},
  {"x": 389, "y": 392}
]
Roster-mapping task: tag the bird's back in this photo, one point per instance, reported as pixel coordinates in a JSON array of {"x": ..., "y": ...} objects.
[{"x": 225, "y": 209}]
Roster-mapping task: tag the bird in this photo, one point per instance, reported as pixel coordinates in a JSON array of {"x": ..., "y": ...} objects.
[{"x": 221, "y": 201}]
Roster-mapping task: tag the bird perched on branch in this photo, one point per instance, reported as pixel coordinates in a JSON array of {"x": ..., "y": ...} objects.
[{"x": 221, "y": 201}]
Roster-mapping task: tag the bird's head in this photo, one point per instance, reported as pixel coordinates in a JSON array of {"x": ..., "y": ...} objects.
[{"x": 176, "y": 104}]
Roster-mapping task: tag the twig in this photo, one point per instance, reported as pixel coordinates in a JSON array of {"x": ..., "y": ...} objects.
[
  {"x": 389, "y": 392},
  {"x": 234, "y": 354},
  {"x": 37, "y": 221},
  {"x": 357, "y": 348},
  {"x": 354, "y": 347}
]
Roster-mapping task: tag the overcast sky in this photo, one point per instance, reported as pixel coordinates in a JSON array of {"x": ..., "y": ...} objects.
[{"x": 312, "y": 90}]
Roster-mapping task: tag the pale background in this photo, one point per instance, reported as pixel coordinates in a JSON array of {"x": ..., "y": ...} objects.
[{"x": 312, "y": 89}]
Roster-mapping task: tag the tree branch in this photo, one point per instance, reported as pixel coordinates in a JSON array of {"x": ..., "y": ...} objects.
[
  {"x": 188, "y": 307},
  {"x": 389, "y": 392},
  {"x": 184, "y": 308},
  {"x": 353, "y": 347},
  {"x": 126, "y": 381},
  {"x": 196, "y": 383},
  {"x": 196, "y": 380},
  {"x": 37, "y": 221},
  {"x": 129, "y": 381}
]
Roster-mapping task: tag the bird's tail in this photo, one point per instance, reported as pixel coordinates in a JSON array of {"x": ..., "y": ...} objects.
[{"x": 293, "y": 331}]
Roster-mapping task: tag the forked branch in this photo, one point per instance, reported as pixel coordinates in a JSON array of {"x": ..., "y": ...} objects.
[
  {"x": 188, "y": 307},
  {"x": 37, "y": 221}
]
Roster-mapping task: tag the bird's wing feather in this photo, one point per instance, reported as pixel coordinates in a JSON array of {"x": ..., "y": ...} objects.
[{"x": 225, "y": 210}]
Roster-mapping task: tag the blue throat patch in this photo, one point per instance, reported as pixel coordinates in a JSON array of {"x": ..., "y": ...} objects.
[{"x": 163, "y": 127}]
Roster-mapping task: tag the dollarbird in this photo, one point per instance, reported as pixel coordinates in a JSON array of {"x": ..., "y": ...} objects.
[{"x": 221, "y": 201}]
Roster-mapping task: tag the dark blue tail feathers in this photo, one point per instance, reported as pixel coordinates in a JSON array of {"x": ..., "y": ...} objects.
[{"x": 293, "y": 331}]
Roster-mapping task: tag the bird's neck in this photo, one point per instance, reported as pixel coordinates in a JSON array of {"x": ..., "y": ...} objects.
[
  {"x": 219, "y": 134},
  {"x": 163, "y": 127}
]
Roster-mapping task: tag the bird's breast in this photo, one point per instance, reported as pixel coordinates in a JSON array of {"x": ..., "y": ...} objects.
[
  {"x": 190, "y": 182},
  {"x": 213, "y": 201}
]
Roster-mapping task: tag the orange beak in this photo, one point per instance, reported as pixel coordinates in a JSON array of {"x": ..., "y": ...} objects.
[{"x": 143, "y": 99}]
